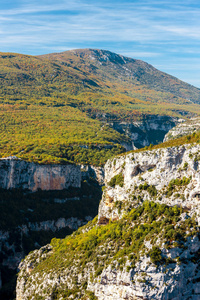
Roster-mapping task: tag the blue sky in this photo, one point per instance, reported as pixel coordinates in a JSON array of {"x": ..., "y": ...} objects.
[{"x": 165, "y": 34}]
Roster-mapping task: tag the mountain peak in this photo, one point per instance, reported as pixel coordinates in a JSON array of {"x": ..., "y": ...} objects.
[
  {"x": 92, "y": 54},
  {"x": 102, "y": 55}
]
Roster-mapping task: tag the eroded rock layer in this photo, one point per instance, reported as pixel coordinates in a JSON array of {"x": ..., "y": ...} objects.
[{"x": 16, "y": 173}]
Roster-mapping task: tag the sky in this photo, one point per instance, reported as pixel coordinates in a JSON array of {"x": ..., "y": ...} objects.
[{"x": 163, "y": 33}]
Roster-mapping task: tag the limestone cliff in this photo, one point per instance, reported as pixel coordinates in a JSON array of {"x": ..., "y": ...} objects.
[
  {"x": 13, "y": 252},
  {"x": 183, "y": 128},
  {"x": 145, "y": 243},
  {"x": 156, "y": 168},
  {"x": 150, "y": 130},
  {"x": 39, "y": 202},
  {"x": 91, "y": 172},
  {"x": 16, "y": 173}
]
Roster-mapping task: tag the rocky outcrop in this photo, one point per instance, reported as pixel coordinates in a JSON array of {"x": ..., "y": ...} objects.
[
  {"x": 183, "y": 128},
  {"x": 165, "y": 263},
  {"x": 41, "y": 202},
  {"x": 13, "y": 252},
  {"x": 93, "y": 173},
  {"x": 54, "y": 225},
  {"x": 16, "y": 173},
  {"x": 156, "y": 168},
  {"x": 147, "y": 281}
]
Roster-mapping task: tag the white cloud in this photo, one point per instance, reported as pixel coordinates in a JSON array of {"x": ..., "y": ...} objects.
[
  {"x": 83, "y": 21},
  {"x": 193, "y": 32},
  {"x": 157, "y": 30}
]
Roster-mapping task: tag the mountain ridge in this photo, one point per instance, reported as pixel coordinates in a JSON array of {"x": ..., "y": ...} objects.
[{"x": 106, "y": 55}]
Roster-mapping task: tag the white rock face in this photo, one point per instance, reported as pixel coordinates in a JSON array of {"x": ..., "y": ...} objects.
[
  {"x": 13, "y": 258},
  {"x": 16, "y": 173},
  {"x": 183, "y": 128},
  {"x": 96, "y": 173},
  {"x": 157, "y": 168},
  {"x": 177, "y": 280},
  {"x": 145, "y": 281}
]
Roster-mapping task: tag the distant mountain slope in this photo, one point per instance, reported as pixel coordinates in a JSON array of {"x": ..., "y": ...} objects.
[
  {"x": 131, "y": 71},
  {"x": 51, "y": 106}
]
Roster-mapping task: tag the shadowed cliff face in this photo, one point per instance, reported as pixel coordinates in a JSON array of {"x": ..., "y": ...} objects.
[
  {"x": 16, "y": 173},
  {"x": 142, "y": 133},
  {"x": 38, "y": 203}
]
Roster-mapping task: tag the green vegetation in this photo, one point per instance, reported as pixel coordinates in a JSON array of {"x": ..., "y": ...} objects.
[
  {"x": 179, "y": 182},
  {"x": 92, "y": 248},
  {"x": 155, "y": 255},
  {"x": 60, "y": 135},
  {"x": 149, "y": 188},
  {"x": 117, "y": 180},
  {"x": 176, "y": 185},
  {"x": 52, "y": 106}
]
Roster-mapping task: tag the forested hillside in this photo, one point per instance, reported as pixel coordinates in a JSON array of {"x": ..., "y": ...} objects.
[{"x": 59, "y": 107}]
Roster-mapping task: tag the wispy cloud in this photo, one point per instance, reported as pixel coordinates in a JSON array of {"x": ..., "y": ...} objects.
[{"x": 157, "y": 29}]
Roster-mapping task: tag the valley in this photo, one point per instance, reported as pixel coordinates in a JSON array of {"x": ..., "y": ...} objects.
[
  {"x": 77, "y": 105},
  {"x": 81, "y": 134}
]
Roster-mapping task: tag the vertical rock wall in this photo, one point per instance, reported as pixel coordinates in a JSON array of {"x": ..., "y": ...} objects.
[{"x": 15, "y": 173}]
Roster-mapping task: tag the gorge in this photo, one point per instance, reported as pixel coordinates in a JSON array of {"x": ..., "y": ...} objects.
[{"x": 144, "y": 244}]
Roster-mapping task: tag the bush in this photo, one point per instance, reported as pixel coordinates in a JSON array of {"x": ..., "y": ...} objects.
[
  {"x": 98, "y": 271},
  {"x": 150, "y": 188},
  {"x": 117, "y": 180},
  {"x": 155, "y": 255}
]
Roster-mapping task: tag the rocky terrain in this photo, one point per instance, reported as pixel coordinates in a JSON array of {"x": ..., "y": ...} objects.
[
  {"x": 157, "y": 169},
  {"x": 16, "y": 173},
  {"x": 183, "y": 128},
  {"x": 145, "y": 243},
  {"x": 150, "y": 130}
]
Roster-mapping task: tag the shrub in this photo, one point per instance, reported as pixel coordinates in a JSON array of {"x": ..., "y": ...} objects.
[
  {"x": 117, "y": 180},
  {"x": 155, "y": 255},
  {"x": 152, "y": 190},
  {"x": 98, "y": 271}
]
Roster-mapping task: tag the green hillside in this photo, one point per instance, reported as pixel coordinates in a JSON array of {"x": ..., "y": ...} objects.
[{"x": 54, "y": 107}]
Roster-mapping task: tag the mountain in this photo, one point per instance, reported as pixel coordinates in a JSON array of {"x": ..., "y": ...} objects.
[
  {"x": 84, "y": 106},
  {"x": 107, "y": 66},
  {"x": 145, "y": 242}
]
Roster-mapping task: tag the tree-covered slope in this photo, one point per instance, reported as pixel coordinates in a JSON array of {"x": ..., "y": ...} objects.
[{"x": 53, "y": 105}]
